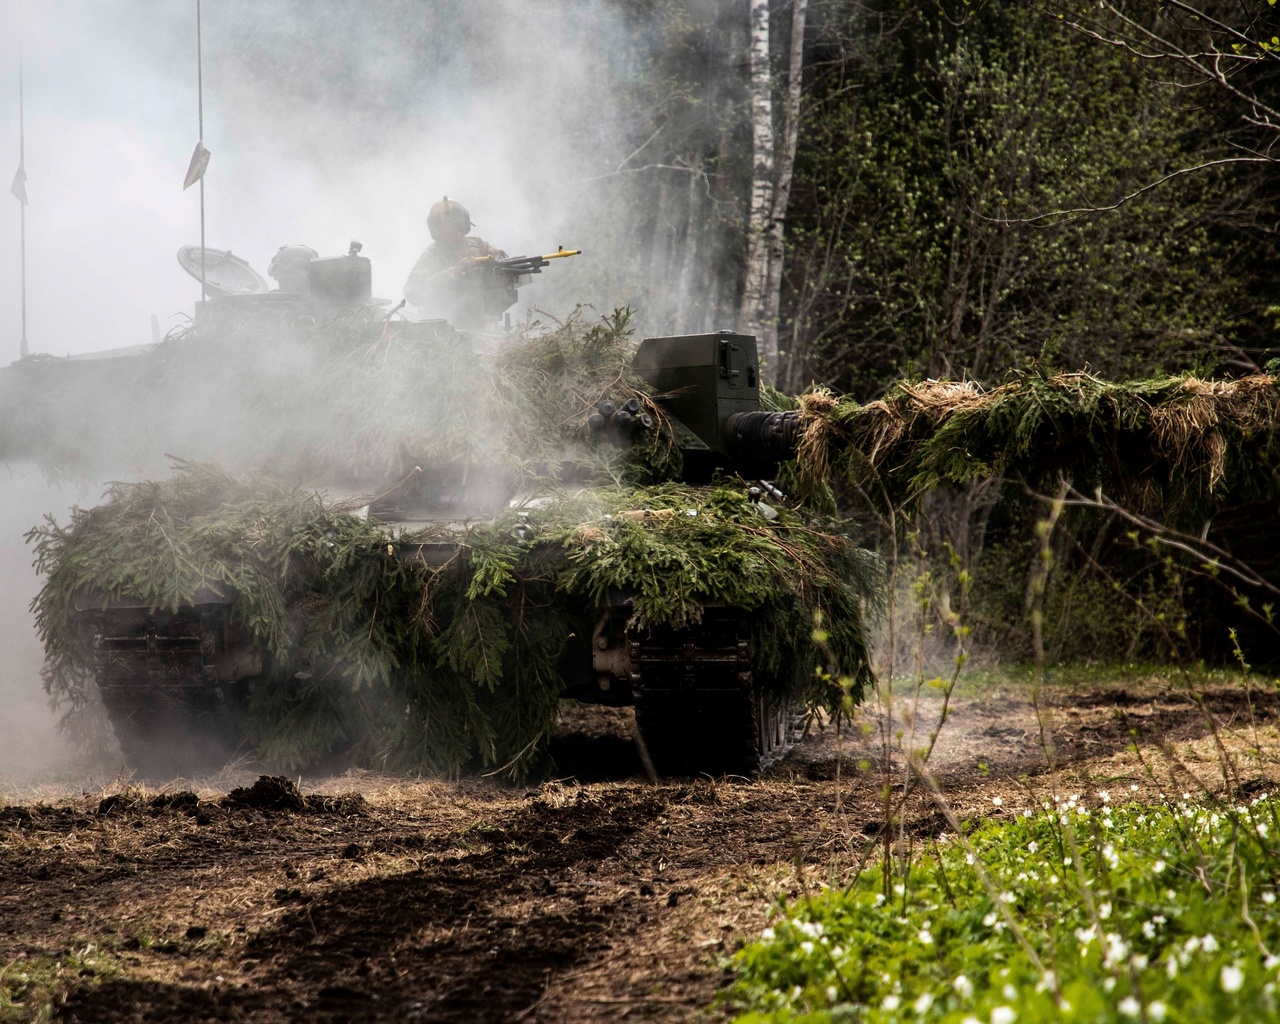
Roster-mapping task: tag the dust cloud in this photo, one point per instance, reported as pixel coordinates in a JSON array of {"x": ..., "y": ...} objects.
[
  {"x": 31, "y": 746},
  {"x": 328, "y": 121}
]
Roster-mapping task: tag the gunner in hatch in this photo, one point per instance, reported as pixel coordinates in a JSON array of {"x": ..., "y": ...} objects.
[{"x": 450, "y": 279}]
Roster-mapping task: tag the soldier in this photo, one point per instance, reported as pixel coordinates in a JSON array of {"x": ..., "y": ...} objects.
[
  {"x": 447, "y": 281},
  {"x": 290, "y": 267}
]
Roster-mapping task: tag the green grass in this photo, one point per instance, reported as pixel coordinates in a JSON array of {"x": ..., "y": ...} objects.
[
  {"x": 31, "y": 985},
  {"x": 1071, "y": 913}
]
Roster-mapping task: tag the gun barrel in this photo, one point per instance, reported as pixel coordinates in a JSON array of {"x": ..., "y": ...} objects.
[
  {"x": 756, "y": 436},
  {"x": 525, "y": 264}
]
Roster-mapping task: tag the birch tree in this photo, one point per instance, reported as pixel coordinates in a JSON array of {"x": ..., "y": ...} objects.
[
  {"x": 772, "y": 172},
  {"x": 755, "y": 286}
]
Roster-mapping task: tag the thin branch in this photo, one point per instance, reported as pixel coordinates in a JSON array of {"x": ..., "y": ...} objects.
[
  {"x": 1134, "y": 195},
  {"x": 1226, "y": 28}
]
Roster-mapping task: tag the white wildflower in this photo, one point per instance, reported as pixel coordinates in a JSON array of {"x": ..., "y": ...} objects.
[
  {"x": 1157, "y": 1011},
  {"x": 922, "y": 1003},
  {"x": 1117, "y": 949},
  {"x": 1053, "y": 879},
  {"x": 1268, "y": 897},
  {"x": 1262, "y": 829},
  {"x": 767, "y": 935},
  {"x": 997, "y": 801},
  {"x": 925, "y": 936},
  {"x": 1104, "y": 796},
  {"x": 1158, "y": 867},
  {"x": 1148, "y": 930},
  {"x": 1209, "y": 944},
  {"x": 1271, "y": 962},
  {"x": 1003, "y": 1015},
  {"x": 969, "y": 859},
  {"x": 1129, "y": 1006},
  {"x": 879, "y": 899},
  {"x": 890, "y": 1002},
  {"x": 832, "y": 994},
  {"x": 1104, "y": 911},
  {"x": 991, "y": 919},
  {"x": 1232, "y": 979},
  {"x": 1033, "y": 846},
  {"x": 899, "y": 889},
  {"x": 807, "y": 946},
  {"x": 963, "y": 986},
  {"x": 1009, "y": 992}
]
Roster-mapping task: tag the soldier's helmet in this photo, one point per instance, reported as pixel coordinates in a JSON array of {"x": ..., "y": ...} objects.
[
  {"x": 289, "y": 267},
  {"x": 448, "y": 212}
]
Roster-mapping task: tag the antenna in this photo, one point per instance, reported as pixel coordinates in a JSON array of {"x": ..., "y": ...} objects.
[
  {"x": 200, "y": 142},
  {"x": 19, "y": 187},
  {"x": 200, "y": 155}
]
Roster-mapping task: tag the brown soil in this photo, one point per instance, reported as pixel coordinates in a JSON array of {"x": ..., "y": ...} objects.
[{"x": 376, "y": 899}]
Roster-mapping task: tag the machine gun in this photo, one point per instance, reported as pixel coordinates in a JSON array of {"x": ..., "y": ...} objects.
[{"x": 517, "y": 266}]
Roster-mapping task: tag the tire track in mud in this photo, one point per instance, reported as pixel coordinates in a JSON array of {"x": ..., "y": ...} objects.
[
  {"x": 465, "y": 938},
  {"x": 470, "y": 902}
]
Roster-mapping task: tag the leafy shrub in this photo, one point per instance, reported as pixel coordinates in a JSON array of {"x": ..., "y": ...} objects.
[{"x": 1070, "y": 913}]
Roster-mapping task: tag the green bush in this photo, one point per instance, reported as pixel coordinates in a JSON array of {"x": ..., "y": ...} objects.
[{"x": 1070, "y": 913}]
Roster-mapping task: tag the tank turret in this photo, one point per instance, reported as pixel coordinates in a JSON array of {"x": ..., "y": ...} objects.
[{"x": 709, "y": 387}]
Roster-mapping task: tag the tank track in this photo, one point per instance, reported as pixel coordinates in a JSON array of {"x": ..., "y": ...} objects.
[
  {"x": 699, "y": 709},
  {"x": 169, "y": 711}
]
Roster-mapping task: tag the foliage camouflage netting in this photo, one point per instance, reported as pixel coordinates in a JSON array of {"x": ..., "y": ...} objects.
[
  {"x": 1173, "y": 446},
  {"x": 351, "y": 400},
  {"x": 372, "y": 651}
]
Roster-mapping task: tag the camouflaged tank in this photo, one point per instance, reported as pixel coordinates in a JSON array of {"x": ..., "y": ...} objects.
[{"x": 401, "y": 546}]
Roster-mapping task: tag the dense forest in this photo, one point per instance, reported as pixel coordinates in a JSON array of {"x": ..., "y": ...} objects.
[
  {"x": 959, "y": 188},
  {"x": 969, "y": 190}
]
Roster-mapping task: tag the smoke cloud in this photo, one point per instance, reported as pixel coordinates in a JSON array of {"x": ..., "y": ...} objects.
[
  {"x": 327, "y": 121},
  {"x": 31, "y": 745}
]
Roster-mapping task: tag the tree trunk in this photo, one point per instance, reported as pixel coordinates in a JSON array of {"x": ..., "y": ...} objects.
[
  {"x": 752, "y": 312},
  {"x": 690, "y": 289},
  {"x": 786, "y": 160}
]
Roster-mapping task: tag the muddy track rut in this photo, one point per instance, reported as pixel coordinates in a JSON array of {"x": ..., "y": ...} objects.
[{"x": 475, "y": 901}]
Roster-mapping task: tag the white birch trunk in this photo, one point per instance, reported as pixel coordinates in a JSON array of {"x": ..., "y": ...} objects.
[
  {"x": 751, "y": 316},
  {"x": 786, "y": 161}
]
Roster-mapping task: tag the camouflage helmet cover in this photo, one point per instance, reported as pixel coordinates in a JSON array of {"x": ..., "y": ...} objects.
[
  {"x": 290, "y": 256},
  {"x": 448, "y": 211}
]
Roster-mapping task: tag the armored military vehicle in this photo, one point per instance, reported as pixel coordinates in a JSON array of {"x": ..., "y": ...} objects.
[{"x": 619, "y": 542}]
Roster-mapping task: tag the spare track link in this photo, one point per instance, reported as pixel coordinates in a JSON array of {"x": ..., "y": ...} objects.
[{"x": 698, "y": 711}]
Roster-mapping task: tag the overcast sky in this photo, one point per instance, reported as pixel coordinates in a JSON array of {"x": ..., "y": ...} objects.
[{"x": 328, "y": 121}]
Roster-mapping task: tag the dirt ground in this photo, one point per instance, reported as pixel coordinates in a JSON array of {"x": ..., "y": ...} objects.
[{"x": 599, "y": 896}]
